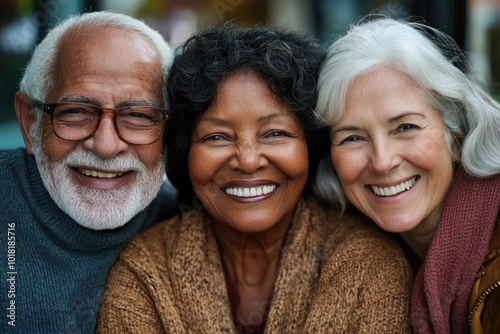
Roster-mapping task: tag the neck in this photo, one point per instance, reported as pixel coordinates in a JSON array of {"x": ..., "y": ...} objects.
[
  {"x": 252, "y": 260},
  {"x": 250, "y": 256},
  {"x": 419, "y": 239}
]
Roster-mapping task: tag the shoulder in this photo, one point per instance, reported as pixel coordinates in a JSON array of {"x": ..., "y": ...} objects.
[
  {"x": 364, "y": 276},
  {"x": 9, "y": 158},
  {"x": 143, "y": 259},
  {"x": 151, "y": 240},
  {"x": 18, "y": 170},
  {"x": 350, "y": 232},
  {"x": 353, "y": 228},
  {"x": 154, "y": 241},
  {"x": 353, "y": 238}
]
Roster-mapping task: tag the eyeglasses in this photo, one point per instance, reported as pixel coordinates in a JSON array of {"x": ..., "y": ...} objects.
[{"x": 138, "y": 125}]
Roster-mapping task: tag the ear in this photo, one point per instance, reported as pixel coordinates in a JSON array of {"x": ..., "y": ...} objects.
[{"x": 25, "y": 117}]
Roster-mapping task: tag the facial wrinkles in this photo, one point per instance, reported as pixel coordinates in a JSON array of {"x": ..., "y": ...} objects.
[
  {"x": 418, "y": 157},
  {"x": 250, "y": 162}
]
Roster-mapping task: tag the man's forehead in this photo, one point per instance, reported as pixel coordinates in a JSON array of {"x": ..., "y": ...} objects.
[
  {"x": 105, "y": 38},
  {"x": 108, "y": 62}
]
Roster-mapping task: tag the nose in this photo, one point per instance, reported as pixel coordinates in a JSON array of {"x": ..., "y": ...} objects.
[
  {"x": 384, "y": 156},
  {"x": 248, "y": 158},
  {"x": 105, "y": 142}
]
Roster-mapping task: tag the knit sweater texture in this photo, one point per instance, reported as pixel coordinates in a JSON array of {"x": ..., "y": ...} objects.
[
  {"x": 335, "y": 275},
  {"x": 53, "y": 270},
  {"x": 444, "y": 282}
]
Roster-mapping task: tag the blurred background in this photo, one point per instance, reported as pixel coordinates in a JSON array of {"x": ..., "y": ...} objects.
[{"x": 474, "y": 24}]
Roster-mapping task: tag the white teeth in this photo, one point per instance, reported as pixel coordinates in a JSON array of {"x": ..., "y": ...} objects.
[
  {"x": 95, "y": 173},
  {"x": 250, "y": 192},
  {"x": 394, "y": 190}
]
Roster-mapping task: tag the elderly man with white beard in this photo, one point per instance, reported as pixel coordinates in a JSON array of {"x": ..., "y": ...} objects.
[{"x": 91, "y": 109}]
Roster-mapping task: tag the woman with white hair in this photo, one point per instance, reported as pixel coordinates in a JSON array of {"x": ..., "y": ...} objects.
[{"x": 415, "y": 146}]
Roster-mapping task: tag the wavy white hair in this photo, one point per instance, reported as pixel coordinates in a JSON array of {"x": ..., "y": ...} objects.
[{"x": 471, "y": 117}]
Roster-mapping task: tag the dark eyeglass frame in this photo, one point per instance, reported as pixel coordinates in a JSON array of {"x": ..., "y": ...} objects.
[{"x": 50, "y": 107}]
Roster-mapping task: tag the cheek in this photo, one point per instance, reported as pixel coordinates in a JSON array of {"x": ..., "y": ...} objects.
[
  {"x": 293, "y": 161},
  {"x": 203, "y": 164},
  {"x": 346, "y": 164},
  {"x": 55, "y": 148},
  {"x": 431, "y": 154},
  {"x": 194, "y": 167},
  {"x": 151, "y": 155}
]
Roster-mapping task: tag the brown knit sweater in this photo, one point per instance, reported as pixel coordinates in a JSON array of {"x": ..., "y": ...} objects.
[{"x": 334, "y": 276}]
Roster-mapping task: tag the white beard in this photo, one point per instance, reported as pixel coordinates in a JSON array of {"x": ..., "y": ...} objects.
[{"x": 97, "y": 209}]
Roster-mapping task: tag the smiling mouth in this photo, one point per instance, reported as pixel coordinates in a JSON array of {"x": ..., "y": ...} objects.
[
  {"x": 97, "y": 174},
  {"x": 250, "y": 192},
  {"x": 394, "y": 190}
]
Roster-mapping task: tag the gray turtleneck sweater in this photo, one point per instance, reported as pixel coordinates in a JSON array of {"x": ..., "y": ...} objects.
[{"x": 53, "y": 270}]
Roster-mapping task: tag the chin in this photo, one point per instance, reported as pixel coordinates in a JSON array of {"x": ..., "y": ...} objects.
[
  {"x": 396, "y": 225},
  {"x": 102, "y": 222},
  {"x": 251, "y": 227}
]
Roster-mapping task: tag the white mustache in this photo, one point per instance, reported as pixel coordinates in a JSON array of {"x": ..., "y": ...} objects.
[{"x": 120, "y": 163}]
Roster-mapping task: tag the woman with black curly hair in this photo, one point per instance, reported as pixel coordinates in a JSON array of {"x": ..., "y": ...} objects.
[{"x": 259, "y": 254}]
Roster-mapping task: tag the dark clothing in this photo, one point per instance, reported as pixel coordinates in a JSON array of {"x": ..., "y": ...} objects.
[{"x": 53, "y": 270}]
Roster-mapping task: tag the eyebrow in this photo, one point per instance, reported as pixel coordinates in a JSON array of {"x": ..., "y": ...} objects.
[
  {"x": 276, "y": 115},
  {"x": 391, "y": 120},
  {"x": 78, "y": 99},
  {"x": 214, "y": 120},
  {"x": 345, "y": 128},
  {"x": 405, "y": 114},
  {"x": 141, "y": 102},
  {"x": 220, "y": 121}
]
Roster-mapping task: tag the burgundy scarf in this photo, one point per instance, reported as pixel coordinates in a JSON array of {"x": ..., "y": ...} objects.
[{"x": 442, "y": 286}]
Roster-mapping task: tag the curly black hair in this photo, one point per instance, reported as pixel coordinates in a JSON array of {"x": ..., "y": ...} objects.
[{"x": 289, "y": 62}]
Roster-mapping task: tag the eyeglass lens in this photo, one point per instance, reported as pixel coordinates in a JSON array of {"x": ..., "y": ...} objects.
[{"x": 134, "y": 124}]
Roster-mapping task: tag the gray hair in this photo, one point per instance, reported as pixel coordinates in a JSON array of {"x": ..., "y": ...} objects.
[
  {"x": 471, "y": 117},
  {"x": 38, "y": 77}
]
